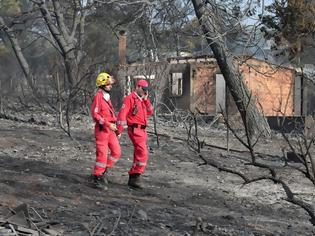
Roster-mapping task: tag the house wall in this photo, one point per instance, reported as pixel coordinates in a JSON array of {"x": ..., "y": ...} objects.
[
  {"x": 203, "y": 82},
  {"x": 183, "y": 101},
  {"x": 309, "y": 95},
  {"x": 272, "y": 87},
  {"x": 220, "y": 93},
  {"x": 298, "y": 90}
]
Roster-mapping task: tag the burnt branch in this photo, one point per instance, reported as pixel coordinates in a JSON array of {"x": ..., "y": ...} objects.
[
  {"x": 225, "y": 169},
  {"x": 192, "y": 135},
  {"x": 302, "y": 145},
  {"x": 290, "y": 195}
]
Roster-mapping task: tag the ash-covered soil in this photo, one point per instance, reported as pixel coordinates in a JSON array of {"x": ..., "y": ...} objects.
[{"x": 45, "y": 169}]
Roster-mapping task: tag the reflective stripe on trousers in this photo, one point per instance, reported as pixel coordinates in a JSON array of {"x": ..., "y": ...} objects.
[
  {"x": 138, "y": 137},
  {"x": 100, "y": 164},
  {"x": 106, "y": 141}
]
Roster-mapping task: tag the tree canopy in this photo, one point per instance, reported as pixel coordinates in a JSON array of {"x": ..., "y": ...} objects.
[{"x": 291, "y": 25}]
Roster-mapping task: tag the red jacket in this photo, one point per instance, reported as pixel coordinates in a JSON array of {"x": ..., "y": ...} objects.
[
  {"x": 102, "y": 110},
  {"x": 134, "y": 110}
]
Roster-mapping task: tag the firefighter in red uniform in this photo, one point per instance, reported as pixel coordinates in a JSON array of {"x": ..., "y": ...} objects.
[
  {"x": 103, "y": 114},
  {"x": 134, "y": 114}
]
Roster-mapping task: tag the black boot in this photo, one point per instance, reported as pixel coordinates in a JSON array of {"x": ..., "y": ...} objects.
[
  {"x": 134, "y": 181},
  {"x": 99, "y": 182}
]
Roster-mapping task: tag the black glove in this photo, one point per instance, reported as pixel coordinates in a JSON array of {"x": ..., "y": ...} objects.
[{"x": 101, "y": 127}]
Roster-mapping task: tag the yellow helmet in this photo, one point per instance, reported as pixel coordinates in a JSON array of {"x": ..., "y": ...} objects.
[{"x": 103, "y": 79}]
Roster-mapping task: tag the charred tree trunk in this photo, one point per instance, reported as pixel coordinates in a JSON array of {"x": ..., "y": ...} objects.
[
  {"x": 63, "y": 39},
  {"x": 253, "y": 120},
  {"x": 67, "y": 38},
  {"x": 19, "y": 54}
]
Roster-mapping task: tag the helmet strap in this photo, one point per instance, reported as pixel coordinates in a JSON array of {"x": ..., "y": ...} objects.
[{"x": 104, "y": 89}]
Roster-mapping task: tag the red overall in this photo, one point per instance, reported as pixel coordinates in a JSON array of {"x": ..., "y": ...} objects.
[
  {"x": 134, "y": 113},
  {"x": 103, "y": 114}
]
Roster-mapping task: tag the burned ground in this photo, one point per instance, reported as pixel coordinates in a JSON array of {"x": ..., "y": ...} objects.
[{"x": 43, "y": 168}]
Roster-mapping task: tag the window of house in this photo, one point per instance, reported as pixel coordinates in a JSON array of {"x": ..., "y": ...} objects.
[{"x": 177, "y": 84}]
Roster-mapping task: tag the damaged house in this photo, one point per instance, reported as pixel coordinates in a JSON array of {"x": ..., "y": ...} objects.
[{"x": 196, "y": 84}]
